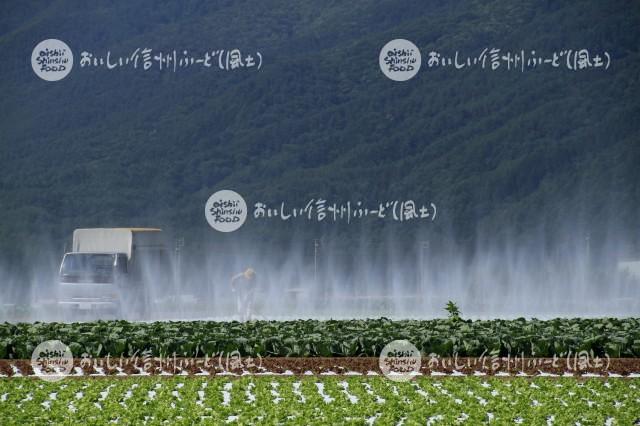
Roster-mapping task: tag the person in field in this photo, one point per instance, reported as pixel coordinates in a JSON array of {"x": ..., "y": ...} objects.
[{"x": 244, "y": 287}]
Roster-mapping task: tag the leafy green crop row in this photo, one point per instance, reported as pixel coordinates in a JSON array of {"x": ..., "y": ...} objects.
[
  {"x": 614, "y": 337},
  {"x": 330, "y": 400}
]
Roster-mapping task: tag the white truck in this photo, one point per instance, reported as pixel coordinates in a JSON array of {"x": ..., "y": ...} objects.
[{"x": 110, "y": 270}]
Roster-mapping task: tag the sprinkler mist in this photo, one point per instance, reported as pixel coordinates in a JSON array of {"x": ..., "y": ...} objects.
[{"x": 311, "y": 279}]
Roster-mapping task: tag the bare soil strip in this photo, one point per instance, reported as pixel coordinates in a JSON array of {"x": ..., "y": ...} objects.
[{"x": 122, "y": 367}]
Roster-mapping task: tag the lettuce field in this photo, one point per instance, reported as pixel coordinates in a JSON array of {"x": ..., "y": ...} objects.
[
  {"x": 326, "y": 401},
  {"x": 530, "y": 372}
]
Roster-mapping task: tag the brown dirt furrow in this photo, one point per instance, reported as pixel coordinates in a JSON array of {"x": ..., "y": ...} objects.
[{"x": 318, "y": 366}]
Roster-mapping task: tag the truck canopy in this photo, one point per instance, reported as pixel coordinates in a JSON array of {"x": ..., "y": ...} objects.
[{"x": 115, "y": 240}]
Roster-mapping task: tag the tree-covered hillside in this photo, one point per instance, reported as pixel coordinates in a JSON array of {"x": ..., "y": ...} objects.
[{"x": 496, "y": 151}]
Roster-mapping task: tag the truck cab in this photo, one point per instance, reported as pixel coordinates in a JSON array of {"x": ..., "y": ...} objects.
[{"x": 92, "y": 281}]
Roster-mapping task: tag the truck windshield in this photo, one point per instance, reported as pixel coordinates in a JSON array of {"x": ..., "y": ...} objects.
[{"x": 95, "y": 267}]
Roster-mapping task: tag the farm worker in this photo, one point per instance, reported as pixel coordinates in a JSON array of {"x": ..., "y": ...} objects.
[{"x": 244, "y": 286}]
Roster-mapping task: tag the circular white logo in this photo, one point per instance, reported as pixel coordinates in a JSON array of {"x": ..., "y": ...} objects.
[
  {"x": 225, "y": 211},
  {"x": 400, "y": 59},
  {"x": 400, "y": 360},
  {"x": 51, "y": 360},
  {"x": 52, "y": 60}
]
